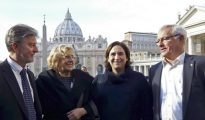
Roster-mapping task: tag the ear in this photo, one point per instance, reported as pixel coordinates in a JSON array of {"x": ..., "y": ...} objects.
[
  {"x": 14, "y": 46},
  {"x": 126, "y": 59},
  {"x": 181, "y": 37}
]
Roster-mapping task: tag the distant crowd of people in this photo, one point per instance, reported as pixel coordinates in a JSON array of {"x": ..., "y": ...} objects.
[{"x": 174, "y": 89}]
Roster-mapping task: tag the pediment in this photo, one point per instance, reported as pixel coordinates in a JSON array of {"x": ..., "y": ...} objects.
[{"x": 193, "y": 16}]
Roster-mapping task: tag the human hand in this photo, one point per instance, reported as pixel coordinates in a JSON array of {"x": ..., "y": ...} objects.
[{"x": 76, "y": 113}]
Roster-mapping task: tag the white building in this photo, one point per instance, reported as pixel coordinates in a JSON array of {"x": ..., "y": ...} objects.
[
  {"x": 194, "y": 22},
  {"x": 90, "y": 53},
  {"x": 142, "y": 41},
  {"x": 144, "y": 51}
]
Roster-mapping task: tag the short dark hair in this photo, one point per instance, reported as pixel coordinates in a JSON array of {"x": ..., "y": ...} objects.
[
  {"x": 17, "y": 33},
  {"x": 125, "y": 48}
]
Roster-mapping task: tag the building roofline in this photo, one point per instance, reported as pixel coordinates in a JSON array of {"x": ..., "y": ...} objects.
[
  {"x": 143, "y": 33},
  {"x": 190, "y": 11}
]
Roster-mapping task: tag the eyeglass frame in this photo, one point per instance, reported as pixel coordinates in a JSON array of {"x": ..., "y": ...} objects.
[
  {"x": 166, "y": 38},
  {"x": 70, "y": 57}
]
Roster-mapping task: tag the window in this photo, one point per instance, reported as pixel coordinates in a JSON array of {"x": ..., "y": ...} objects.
[{"x": 99, "y": 45}]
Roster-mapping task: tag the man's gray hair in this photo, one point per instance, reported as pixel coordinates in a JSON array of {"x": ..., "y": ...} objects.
[{"x": 17, "y": 33}]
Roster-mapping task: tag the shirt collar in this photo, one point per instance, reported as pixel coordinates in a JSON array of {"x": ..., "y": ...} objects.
[
  {"x": 14, "y": 66},
  {"x": 178, "y": 60}
]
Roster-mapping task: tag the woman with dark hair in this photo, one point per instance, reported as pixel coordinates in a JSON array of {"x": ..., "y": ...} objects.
[{"x": 121, "y": 93}]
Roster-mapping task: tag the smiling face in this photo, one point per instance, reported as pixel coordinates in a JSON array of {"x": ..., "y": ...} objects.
[
  {"x": 67, "y": 63},
  {"x": 117, "y": 59},
  {"x": 170, "y": 45},
  {"x": 62, "y": 59}
]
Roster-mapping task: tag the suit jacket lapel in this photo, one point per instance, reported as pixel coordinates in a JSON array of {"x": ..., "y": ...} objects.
[
  {"x": 187, "y": 80},
  {"x": 156, "y": 85},
  {"x": 12, "y": 82}
]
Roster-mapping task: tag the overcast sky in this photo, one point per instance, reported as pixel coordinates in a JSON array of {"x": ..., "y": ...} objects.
[{"x": 109, "y": 18}]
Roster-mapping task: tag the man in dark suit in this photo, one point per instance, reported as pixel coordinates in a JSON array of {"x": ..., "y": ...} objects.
[
  {"x": 178, "y": 81},
  {"x": 18, "y": 98}
]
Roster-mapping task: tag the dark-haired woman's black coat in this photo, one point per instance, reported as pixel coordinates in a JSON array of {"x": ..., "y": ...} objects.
[{"x": 124, "y": 97}]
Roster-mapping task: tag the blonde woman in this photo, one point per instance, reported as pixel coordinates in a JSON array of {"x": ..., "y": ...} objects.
[{"x": 60, "y": 88}]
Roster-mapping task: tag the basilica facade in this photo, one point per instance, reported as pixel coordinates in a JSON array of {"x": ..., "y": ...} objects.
[
  {"x": 144, "y": 52},
  {"x": 89, "y": 53}
]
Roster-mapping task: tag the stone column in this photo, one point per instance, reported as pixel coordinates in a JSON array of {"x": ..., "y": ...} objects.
[
  {"x": 190, "y": 45},
  {"x": 140, "y": 68},
  {"x": 145, "y": 70},
  {"x": 134, "y": 67}
]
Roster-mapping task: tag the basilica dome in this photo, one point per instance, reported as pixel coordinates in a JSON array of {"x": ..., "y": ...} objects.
[{"x": 68, "y": 27}]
